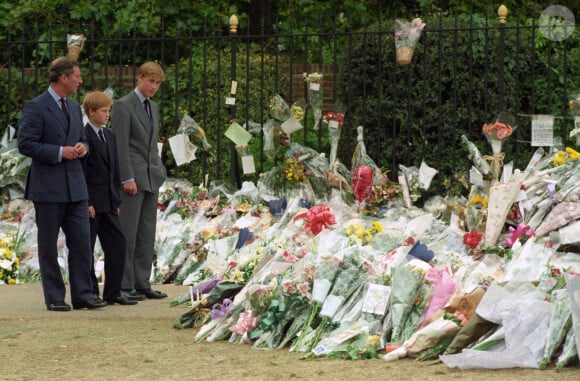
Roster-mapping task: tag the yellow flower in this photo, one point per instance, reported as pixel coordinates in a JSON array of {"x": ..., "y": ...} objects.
[
  {"x": 560, "y": 158},
  {"x": 11, "y": 281},
  {"x": 374, "y": 341},
  {"x": 574, "y": 155},
  {"x": 377, "y": 227},
  {"x": 477, "y": 199}
]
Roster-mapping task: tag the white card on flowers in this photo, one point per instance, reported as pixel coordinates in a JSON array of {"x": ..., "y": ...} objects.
[
  {"x": 377, "y": 299},
  {"x": 291, "y": 125},
  {"x": 248, "y": 165},
  {"x": 183, "y": 150}
]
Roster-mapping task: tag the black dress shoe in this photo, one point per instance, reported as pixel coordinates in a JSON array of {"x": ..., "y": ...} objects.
[
  {"x": 122, "y": 300},
  {"x": 153, "y": 294},
  {"x": 132, "y": 295},
  {"x": 58, "y": 306},
  {"x": 90, "y": 304}
]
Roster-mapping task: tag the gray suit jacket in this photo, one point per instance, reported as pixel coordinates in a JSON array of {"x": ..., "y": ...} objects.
[
  {"x": 43, "y": 130},
  {"x": 137, "y": 142}
]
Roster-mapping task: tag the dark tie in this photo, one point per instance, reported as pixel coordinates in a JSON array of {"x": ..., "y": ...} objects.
[
  {"x": 102, "y": 136},
  {"x": 64, "y": 108},
  {"x": 148, "y": 108}
]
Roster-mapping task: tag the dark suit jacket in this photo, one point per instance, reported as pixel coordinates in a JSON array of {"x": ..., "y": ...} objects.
[
  {"x": 102, "y": 171},
  {"x": 43, "y": 130},
  {"x": 137, "y": 142}
]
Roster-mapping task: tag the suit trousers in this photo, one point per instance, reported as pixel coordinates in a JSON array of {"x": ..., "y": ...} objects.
[
  {"x": 73, "y": 218},
  {"x": 107, "y": 226},
  {"x": 139, "y": 221}
]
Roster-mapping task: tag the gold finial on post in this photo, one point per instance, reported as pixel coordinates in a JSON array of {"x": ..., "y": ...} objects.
[
  {"x": 233, "y": 24},
  {"x": 502, "y": 13}
]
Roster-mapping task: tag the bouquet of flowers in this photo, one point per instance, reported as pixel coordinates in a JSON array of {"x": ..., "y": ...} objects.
[
  {"x": 406, "y": 36},
  {"x": 407, "y": 280},
  {"x": 501, "y": 128},
  {"x": 574, "y": 105},
  {"x": 334, "y": 120},
  {"x": 560, "y": 323},
  {"x": 315, "y": 95},
  {"x": 10, "y": 249},
  {"x": 189, "y": 126},
  {"x": 326, "y": 270},
  {"x": 75, "y": 44},
  {"x": 279, "y": 109}
]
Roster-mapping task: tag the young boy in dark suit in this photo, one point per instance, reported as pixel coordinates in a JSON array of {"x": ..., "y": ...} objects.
[{"x": 103, "y": 182}]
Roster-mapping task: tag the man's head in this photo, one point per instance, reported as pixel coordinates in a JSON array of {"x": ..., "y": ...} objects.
[
  {"x": 149, "y": 77},
  {"x": 97, "y": 106},
  {"x": 64, "y": 75}
]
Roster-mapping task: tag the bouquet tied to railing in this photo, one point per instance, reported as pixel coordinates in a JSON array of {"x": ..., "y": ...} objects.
[{"x": 406, "y": 36}]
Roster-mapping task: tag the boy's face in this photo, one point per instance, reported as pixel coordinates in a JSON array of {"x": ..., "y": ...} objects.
[
  {"x": 149, "y": 85},
  {"x": 100, "y": 116}
]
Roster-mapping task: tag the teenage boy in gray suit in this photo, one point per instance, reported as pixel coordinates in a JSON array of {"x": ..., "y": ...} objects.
[{"x": 135, "y": 122}]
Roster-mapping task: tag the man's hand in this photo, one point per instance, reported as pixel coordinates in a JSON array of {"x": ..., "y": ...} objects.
[{"x": 130, "y": 187}]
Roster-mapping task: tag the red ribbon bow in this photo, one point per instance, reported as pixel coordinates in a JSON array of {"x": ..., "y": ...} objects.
[{"x": 317, "y": 218}]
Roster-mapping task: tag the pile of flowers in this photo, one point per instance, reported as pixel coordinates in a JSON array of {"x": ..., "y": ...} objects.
[{"x": 10, "y": 256}]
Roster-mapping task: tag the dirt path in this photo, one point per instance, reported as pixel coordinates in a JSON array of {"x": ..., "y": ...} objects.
[{"x": 139, "y": 343}]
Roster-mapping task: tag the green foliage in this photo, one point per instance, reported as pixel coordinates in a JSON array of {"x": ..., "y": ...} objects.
[{"x": 200, "y": 89}]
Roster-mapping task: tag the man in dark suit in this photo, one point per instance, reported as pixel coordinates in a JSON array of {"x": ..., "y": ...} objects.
[
  {"x": 135, "y": 122},
  {"x": 104, "y": 185},
  {"x": 51, "y": 133}
]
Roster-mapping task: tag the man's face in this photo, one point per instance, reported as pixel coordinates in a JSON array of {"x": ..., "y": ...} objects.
[
  {"x": 148, "y": 86},
  {"x": 72, "y": 82}
]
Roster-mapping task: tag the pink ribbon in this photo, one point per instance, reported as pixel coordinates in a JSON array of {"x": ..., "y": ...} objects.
[
  {"x": 518, "y": 232},
  {"x": 246, "y": 322}
]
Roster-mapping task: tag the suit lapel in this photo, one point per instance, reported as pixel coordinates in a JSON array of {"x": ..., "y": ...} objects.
[
  {"x": 96, "y": 142},
  {"x": 58, "y": 113},
  {"x": 142, "y": 114}
]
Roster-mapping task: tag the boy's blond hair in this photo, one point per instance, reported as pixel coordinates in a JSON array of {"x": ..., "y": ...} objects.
[
  {"x": 151, "y": 69},
  {"x": 94, "y": 100}
]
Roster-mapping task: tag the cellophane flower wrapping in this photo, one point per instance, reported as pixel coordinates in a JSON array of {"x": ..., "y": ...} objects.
[
  {"x": 574, "y": 105},
  {"x": 327, "y": 267},
  {"x": 298, "y": 110},
  {"x": 560, "y": 323},
  {"x": 279, "y": 109},
  {"x": 189, "y": 126},
  {"x": 315, "y": 96},
  {"x": 334, "y": 121},
  {"x": 407, "y": 281},
  {"x": 425, "y": 338},
  {"x": 501, "y": 199},
  {"x": 501, "y": 128},
  {"x": 75, "y": 44},
  {"x": 519, "y": 309},
  {"x": 573, "y": 287},
  {"x": 443, "y": 287},
  {"x": 348, "y": 279},
  {"x": 407, "y": 33},
  {"x": 475, "y": 155}
]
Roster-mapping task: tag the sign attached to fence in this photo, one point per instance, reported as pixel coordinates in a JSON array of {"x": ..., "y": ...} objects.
[{"x": 542, "y": 130}]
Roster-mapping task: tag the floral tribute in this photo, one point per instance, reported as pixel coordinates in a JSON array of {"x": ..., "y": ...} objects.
[
  {"x": 406, "y": 36},
  {"x": 327, "y": 278},
  {"x": 334, "y": 120},
  {"x": 315, "y": 95},
  {"x": 10, "y": 253}
]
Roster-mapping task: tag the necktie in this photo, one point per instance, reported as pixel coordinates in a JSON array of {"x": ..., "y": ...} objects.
[
  {"x": 102, "y": 136},
  {"x": 148, "y": 108},
  {"x": 64, "y": 107}
]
